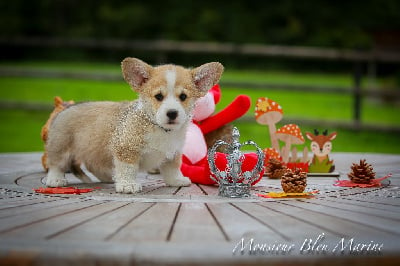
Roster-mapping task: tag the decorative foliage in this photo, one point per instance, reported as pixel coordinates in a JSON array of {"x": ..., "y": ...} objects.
[
  {"x": 63, "y": 190},
  {"x": 373, "y": 183},
  {"x": 275, "y": 195}
]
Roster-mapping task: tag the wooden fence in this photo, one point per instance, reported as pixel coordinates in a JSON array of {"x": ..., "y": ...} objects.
[{"x": 358, "y": 58}]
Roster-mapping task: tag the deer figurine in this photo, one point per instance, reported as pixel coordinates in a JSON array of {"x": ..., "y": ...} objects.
[{"x": 321, "y": 146}]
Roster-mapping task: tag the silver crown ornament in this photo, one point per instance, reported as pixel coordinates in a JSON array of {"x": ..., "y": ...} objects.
[{"x": 233, "y": 183}]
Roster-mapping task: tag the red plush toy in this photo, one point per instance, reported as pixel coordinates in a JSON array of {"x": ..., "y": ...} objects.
[{"x": 194, "y": 159}]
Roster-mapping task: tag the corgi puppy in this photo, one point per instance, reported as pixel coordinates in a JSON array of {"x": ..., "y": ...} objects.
[
  {"x": 59, "y": 105},
  {"x": 116, "y": 140}
]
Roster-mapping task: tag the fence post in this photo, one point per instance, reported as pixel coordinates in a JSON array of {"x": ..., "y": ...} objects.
[{"x": 357, "y": 95}]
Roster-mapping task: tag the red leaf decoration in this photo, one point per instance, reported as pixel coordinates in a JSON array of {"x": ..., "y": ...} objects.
[
  {"x": 349, "y": 183},
  {"x": 63, "y": 190}
]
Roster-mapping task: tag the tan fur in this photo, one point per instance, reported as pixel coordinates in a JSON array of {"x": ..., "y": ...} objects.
[
  {"x": 59, "y": 105},
  {"x": 117, "y": 140}
]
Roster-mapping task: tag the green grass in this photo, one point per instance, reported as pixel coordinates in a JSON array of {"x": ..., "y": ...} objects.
[
  {"x": 320, "y": 106},
  {"x": 20, "y": 130},
  {"x": 346, "y": 141},
  {"x": 295, "y": 104},
  {"x": 43, "y": 90}
]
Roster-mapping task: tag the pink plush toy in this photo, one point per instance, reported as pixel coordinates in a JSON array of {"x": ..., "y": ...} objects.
[{"x": 194, "y": 159}]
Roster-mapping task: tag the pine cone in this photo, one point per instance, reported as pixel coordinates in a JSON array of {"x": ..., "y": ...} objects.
[
  {"x": 275, "y": 168},
  {"x": 361, "y": 173},
  {"x": 294, "y": 181}
]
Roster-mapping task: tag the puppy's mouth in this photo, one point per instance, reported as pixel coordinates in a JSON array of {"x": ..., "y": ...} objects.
[
  {"x": 168, "y": 125},
  {"x": 171, "y": 124}
]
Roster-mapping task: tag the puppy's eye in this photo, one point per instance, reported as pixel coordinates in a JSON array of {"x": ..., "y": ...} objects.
[
  {"x": 182, "y": 97},
  {"x": 159, "y": 97}
]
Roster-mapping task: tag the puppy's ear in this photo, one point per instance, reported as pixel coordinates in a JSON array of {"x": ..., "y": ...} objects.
[
  {"x": 207, "y": 75},
  {"x": 135, "y": 72}
]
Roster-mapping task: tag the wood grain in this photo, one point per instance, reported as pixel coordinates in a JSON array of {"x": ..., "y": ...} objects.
[{"x": 191, "y": 225}]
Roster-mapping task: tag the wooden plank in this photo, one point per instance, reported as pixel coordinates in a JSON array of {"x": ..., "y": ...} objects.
[
  {"x": 13, "y": 165},
  {"x": 382, "y": 223},
  {"x": 36, "y": 205},
  {"x": 36, "y": 180},
  {"x": 379, "y": 223},
  {"x": 237, "y": 224},
  {"x": 364, "y": 203},
  {"x": 15, "y": 222},
  {"x": 19, "y": 202},
  {"x": 195, "y": 223},
  {"x": 164, "y": 190},
  {"x": 387, "y": 201},
  {"x": 326, "y": 223},
  {"x": 31, "y": 180},
  {"x": 105, "y": 226},
  {"x": 189, "y": 191},
  {"x": 66, "y": 221},
  {"x": 377, "y": 198},
  {"x": 205, "y": 223},
  {"x": 210, "y": 189},
  {"x": 153, "y": 225},
  {"x": 148, "y": 189},
  {"x": 388, "y": 214},
  {"x": 150, "y": 184},
  {"x": 288, "y": 226}
]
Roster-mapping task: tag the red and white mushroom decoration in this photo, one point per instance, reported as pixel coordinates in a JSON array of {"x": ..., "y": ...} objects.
[
  {"x": 269, "y": 113},
  {"x": 290, "y": 134},
  {"x": 270, "y": 153}
]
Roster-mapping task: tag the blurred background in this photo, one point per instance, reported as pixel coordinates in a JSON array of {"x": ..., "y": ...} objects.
[{"x": 330, "y": 64}]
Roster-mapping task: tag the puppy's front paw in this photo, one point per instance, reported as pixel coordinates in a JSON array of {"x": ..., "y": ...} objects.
[
  {"x": 179, "y": 181},
  {"x": 127, "y": 188}
]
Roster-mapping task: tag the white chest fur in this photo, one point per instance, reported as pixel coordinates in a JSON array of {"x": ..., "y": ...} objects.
[{"x": 161, "y": 146}]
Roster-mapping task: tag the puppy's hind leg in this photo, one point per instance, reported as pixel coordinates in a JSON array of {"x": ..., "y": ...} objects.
[
  {"x": 172, "y": 174},
  {"x": 56, "y": 177},
  {"x": 78, "y": 172},
  {"x": 58, "y": 163}
]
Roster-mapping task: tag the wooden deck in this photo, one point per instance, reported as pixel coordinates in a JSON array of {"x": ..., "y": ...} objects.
[{"x": 194, "y": 226}]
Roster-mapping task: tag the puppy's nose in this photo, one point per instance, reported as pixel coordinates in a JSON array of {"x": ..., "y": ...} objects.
[{"x": 172, "y": 114}]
